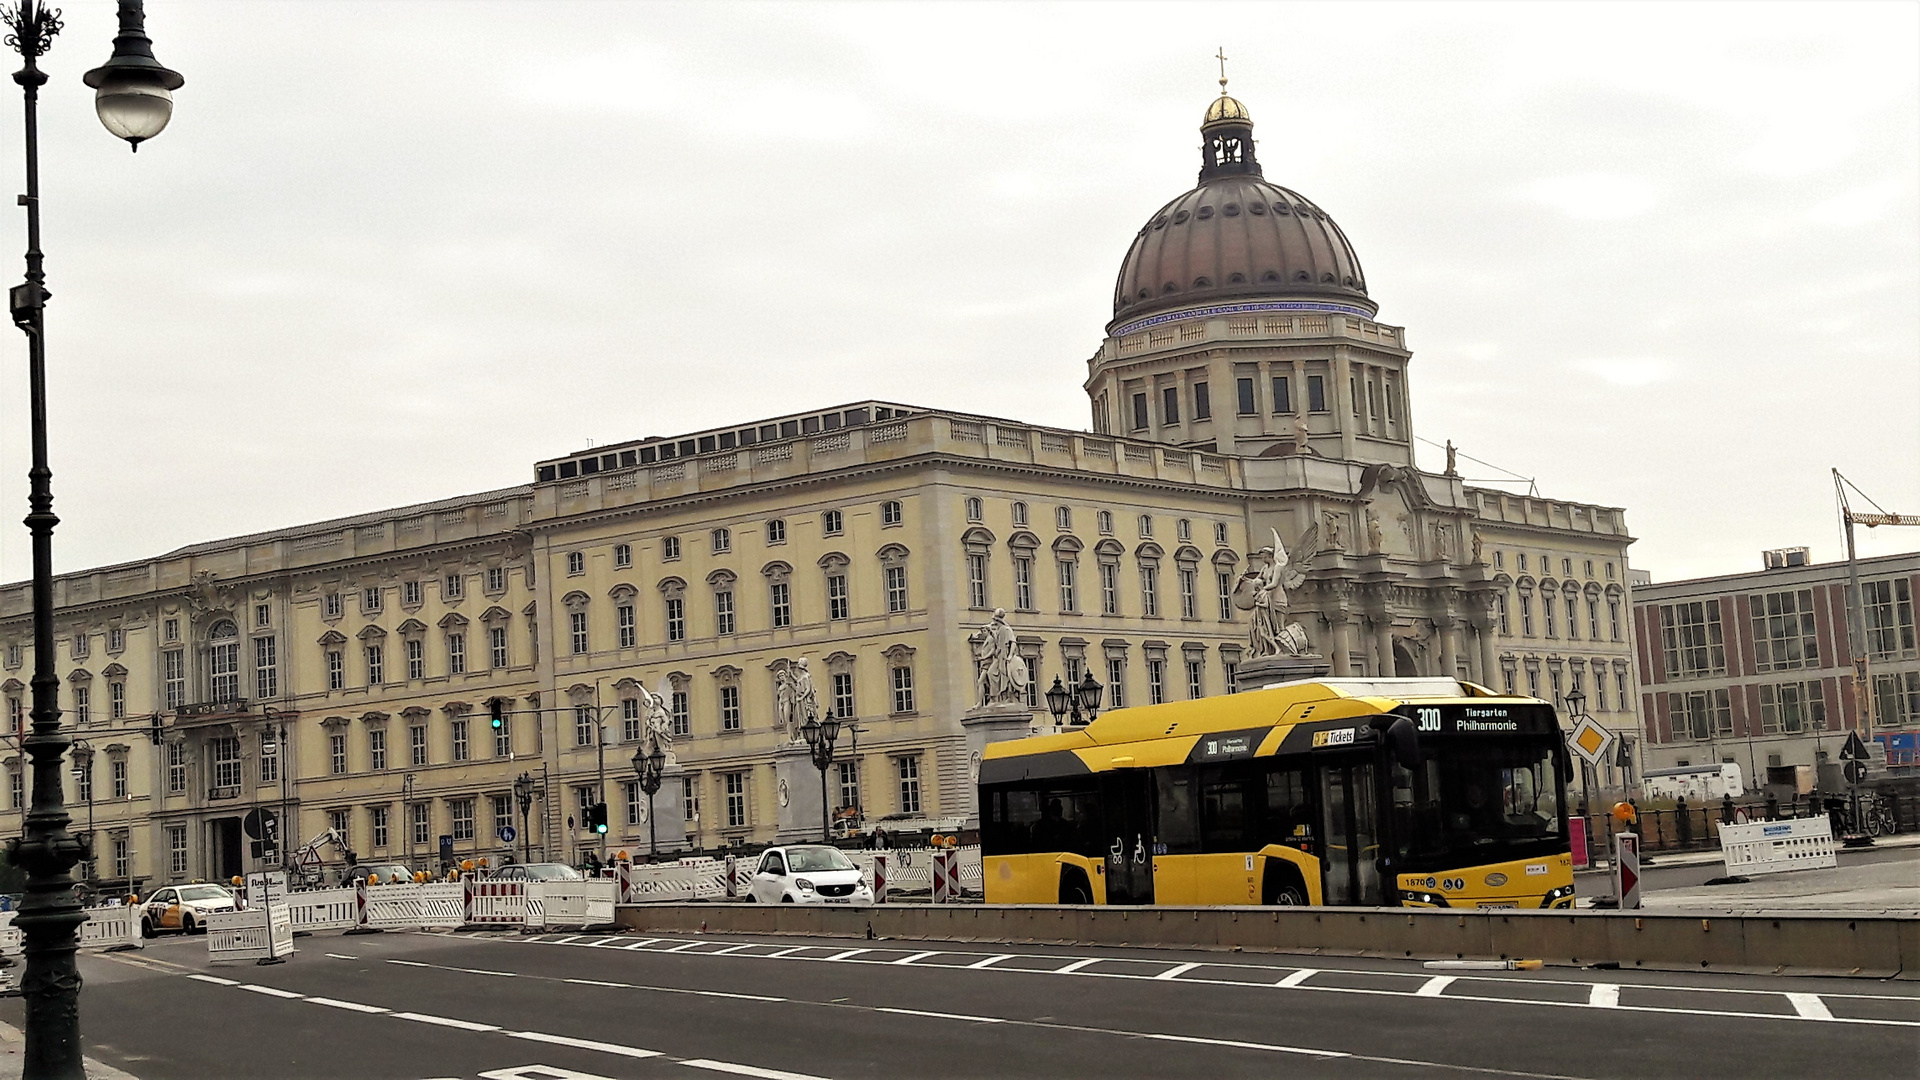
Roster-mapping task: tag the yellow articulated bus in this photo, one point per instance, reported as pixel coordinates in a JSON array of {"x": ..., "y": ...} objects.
[{"x": 1370, "y": 792}]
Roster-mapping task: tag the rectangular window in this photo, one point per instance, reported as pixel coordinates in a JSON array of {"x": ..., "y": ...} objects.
[
  {"x": 83, "y": 704},
  {"x": 1373, "y": 400},
  {"x": 1067, "y": 568},
  {"x": 902, "y": 688},
  {"x": 378, "y": 816},
  {"x": 416, "y": 659},
  {"x": 377, "y": 750},
  {"x": 1573, "y": 619},
  {"x": 1202, "y": 402},
  {"x": 1888, "y": 609},
  {"x": 1149, "y": 590},
  {"x": 503, "y": 737},
  {"x": 1156, "y": 681},
  {"x": 722, "y": 541},
  {"x": 370, "y": 600},
  {"x": 174, "y": 674},
  {"x": 624, "y": 624},
  {"x": 1282, "y": 396},
  {"x": 892, "y": 513},
  {"x": 635, "y": 798},
  {"x": 1547, "y": 612},
  {"x": 837, "y": 596},
  {"x": 453, "y": 588},
  {"x": 723, "y": 613},
  {"x": 1500, "y": 611},
  {"x": 1139, "y": 412},
  {"x": 909, "y": 772},
  {"x": 847, "y": 773},
  {"x": 896, "y": 587},
  {"x": 83, "y": 779},
  {"x": 502, "y": 812},
  {"x": 630, "y": 720},
  {"x": 1593, "y": 620},
  {"x": 676, "y": 619},
  {"x": 376, "y": 663},
  {"x": 1701, "y": 714},
  {"x": 735, "y": 786},
  {"x": 669, "y": 548},
  {"x": 266, "y": 668},
  {"x": 497, "y": 646},
  {"x": 456, "y": 654},
  {"x": 336, "y": 669},
  {"x": 119, "y": 774},
  {"x": 1023, "y": 583},
  {"x": 782, "y": 601},
  {"x": 1196, "y": 675},
  {"x": 337, "y": 753},
  {"x": 1224, "y": 582},
  {"x": 583, "y": 724},
  {"x": 461, "y": 810},
  {"x": 417, "y": 744},
  {"x": 1109, "y": 588},
  {"x": 1169, "y": 405},
  {"x": 177, "y": 849},
  {"x": 832, "y": 523},
  {"x": 1896, "y": 698},
  {"x": 496, "y": 579},
  {"x": 461, "y": 750},
  {"x": 122, "y": 856},
  {"x": 410, "y": 593},
  {"x": 269, "y": 757},
  {"x": 1391, "y": 396},
  {"x": 1316, "y": 393},
  {"x": 116, "y": 640},
  {"x": 843, "y": 695},
  {"x": 1613, "y": 619},
  {"x": 1620, "y": 689},
  {"x": 690, "y": 801},
  {"x": 1189, "y": 593},
  {"x": 1116, "y": 683},
  {"x": 622, "y": 555},
  {"x": 577, "y": 628},
  {"x": 729, "y": 707},
  {"x": 1690, "y": 639},
  {"x": 420, "y": 817},
  {"x": 1243, "y": 389},
  {"x": 16, "y": 784},
  {"x": 1526, "y": 614},
  {"x": 977, "y": 580},
  {"x": 1791, "y": 708},
  {"x": 330, "y": 608},
  {"x": 176, "y": 768},
  {"x": 682, "y": 714}
]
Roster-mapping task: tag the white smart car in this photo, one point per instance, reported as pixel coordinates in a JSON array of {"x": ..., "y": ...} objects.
[{"x": 808, "y": 874}]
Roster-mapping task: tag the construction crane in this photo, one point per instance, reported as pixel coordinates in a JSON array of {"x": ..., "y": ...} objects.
[
  {"x": 305, "y": 863},
  {"x": 1856, "y": 613}
]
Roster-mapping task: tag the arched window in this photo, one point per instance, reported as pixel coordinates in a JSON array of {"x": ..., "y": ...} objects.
[
  {"x": 1019, "y": 513},
  {"x": 973, "y": 509},
  {"x": 223, "y": 662}
]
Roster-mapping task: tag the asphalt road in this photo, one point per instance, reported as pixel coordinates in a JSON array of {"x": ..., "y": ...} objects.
[{"x": 419, "y": 1006}]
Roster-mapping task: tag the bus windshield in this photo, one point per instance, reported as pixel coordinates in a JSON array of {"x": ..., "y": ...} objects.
[{"x": 1476, "y": 801}]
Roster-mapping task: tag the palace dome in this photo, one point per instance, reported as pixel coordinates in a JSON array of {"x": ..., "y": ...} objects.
[{"x": 1235, "y": 236}]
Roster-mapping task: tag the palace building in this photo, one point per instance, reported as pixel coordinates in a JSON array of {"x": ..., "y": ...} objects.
[{"x": 347, "y": 672}]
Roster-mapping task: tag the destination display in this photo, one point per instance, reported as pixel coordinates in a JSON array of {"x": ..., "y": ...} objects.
[{"x": 1473, "y": 718}]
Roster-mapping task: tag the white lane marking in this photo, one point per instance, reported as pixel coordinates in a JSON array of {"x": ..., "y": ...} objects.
[
  {"x": 446, "y": 1021},
  {"x": 1174, "y": 972},
  {"x": 271, "y": 991},
  {"x": 847, "y": 953},
  {"x": 484, "y": 971},
  {"x": 1277, "y": 1048},
  {"x": 1076, "y": 966},
  {"x": 1604, "y": 996},
  {"x": 747, "y": 1070},
  {"x": 568, "y": 939},
  {"x": 788, "y": 951},
  {"x": 1809, "y": 1006},
  {"x": 989, "y": 961},
  {"x": 1299, "y": 977},
  {"x": 905, "y": 960},
  {"x": 597, "y": 942},
  {"x": 641, "y": 944},
  {"x": 340, "y": 956},
  {"x": 944, "y": 1016},
  {"x": 583, "y": 1044},
  {"x": 597, "y": 982},
  {"x": 351, "y": 1006},
  {"x": 729, "y": 950},
  {"x": 1435, "y": 986},
  {"x": 409, "y": 963},
  {"x": 214, "y": 979},
  {"x": 684, "y": 948}
]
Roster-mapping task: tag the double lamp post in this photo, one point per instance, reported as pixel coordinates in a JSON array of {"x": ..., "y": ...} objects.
[{"x": 134, "y": 100}]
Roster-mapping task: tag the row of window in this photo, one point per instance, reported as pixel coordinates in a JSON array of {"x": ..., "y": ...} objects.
[
  {"x": 1785, "y": 634},
  {"x": 1595, "y": 690},
  {"x": 1103, "y": 521},
  {"x": 1280, "y": 401},
  {"x": 1545, "y": 565},
  {"x": 412, "y": 594},
  {"x": 720, "y": 540},
  {"x": 1551, "y": 610}
]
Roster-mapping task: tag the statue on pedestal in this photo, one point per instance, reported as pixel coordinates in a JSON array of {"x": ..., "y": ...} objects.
[
  {"x": 1000, "y": 672},
  {"x": 1263, "y": 593}
]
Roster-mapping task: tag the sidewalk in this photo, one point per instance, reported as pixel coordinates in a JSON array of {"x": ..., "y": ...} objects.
[
  {"x": 13, "y": 1048},
  {"x": 1657, "y": 860}
]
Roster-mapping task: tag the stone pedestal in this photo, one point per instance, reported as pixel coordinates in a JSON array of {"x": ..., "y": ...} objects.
[
  {"x": 669, "y": 816},
  {"x": 1268, "y": 670},
  {"x": 796, "y": 795},
  {"x": 991, "y": 724}
]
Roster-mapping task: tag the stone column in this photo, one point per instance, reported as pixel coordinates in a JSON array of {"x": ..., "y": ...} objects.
[
  {"x": 668, "y": 808},
  {"x": 1449, "y": 628},
  {"x": 1343, "y": 402},
  {"x": 1337, "y": 624},
  {"x": 1383, "y": 646}
]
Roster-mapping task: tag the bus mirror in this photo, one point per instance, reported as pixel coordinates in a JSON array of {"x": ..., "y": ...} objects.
[
  {"x": 1404, "y": 742},
  {"x": 1566, "y": 765}
]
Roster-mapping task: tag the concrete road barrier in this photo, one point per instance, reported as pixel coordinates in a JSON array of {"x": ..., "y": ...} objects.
[{"x": 1878, "y": 946}]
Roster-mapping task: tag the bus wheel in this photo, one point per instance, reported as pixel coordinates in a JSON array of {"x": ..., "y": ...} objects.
[
  {"x": 1074, "y": 888},
  {"x": 1284, "y": 887}
]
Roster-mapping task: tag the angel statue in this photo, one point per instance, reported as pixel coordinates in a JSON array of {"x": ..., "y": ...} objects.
[
  {"x": 656, "y": 714},
  {"x": 1263, "y": 592}
]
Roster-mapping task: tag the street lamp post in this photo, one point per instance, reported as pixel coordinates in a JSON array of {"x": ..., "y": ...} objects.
[
  {"x": 134, "y": 101},
  {"x": 1576, "y": 711},
  {"x": 820, "y": 738},
  {"x": 523, "y": 794},
  {"x": 651, "y": 765},
  {"x": 1082, "y": 703}
]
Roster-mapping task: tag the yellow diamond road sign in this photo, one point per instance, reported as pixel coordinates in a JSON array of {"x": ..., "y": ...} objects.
[{"x": 1591, "y": 741}]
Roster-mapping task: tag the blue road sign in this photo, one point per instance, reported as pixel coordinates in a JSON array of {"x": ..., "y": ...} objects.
[{"x": 507, "y": 834}]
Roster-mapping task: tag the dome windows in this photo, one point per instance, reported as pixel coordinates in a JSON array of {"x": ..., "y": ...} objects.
[
  {"x": 1256, "y": 209},
  {"x": 1202, "y": 283},
  {"x": 1205, "y": 213},
  {"x": 1180, "y": 217},
  {"x": 1236, "y": 279},
  {"x": 1271, "y": 275},
  {"x": 1231, "y": 210},
  {"x": 1281, "y": 208},
  {"x": 1159, "y": 223}
]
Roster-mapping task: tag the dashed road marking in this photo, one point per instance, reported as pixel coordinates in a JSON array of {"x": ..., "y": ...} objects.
[
  {"x": 1604, "y": 996},
  {"x": 270, "y": 991},
  {"x": 1809, "y": 1006},
  {"x": 989, "y": 961},
  {"x": 748, "y": 1070},
  {"x": 1238, "y": 1044},
  {"x": 1298, "y": 977},
  {"x": 915, "y": 958},
  {"x": 845, "y": 954},
  {"x": 583, "y": 1044},
  {"x": 1435, "y": 986},
  {"x": 1175, "y": 972},
  {"x": 444, "y": 1021},
  {"x": 214, "y": 979},
  {"x": 409, "y": 963},
  {"x": 340, "y": 956},
  {"x": 944, "y": 1015},
  {"x": 350, "y": 1006},
  {"x": 1077, "y": 965}
]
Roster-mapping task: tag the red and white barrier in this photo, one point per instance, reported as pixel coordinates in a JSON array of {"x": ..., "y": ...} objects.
[
  {"x": 946, "y": 886},
  {"x": 495, "y": 903}
]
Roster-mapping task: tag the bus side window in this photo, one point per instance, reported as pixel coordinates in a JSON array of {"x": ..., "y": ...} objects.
[
  {"x": 1225, "y": 795},
  {"x": 1287, "y": 817},
  {"x": 1020, "y": 820},
  {"x": 1178, "y": 827},
  {"x": 1079, "y": 821}
]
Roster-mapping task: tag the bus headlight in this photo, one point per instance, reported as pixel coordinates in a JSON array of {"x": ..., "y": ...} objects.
[
  {"x": 1434, "y": 899},
  {"x": 1561, "y": 897}
]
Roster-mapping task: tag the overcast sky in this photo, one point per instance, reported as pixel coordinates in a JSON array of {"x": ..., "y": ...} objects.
[{"x": 1657, "y": 256}]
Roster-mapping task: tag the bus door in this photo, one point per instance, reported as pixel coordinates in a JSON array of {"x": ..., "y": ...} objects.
[
  {"x": 1127, "y": 796},
  {"x": 1351, "y": 831}
]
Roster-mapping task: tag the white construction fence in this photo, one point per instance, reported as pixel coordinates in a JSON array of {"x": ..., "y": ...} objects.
[
  {"x": 450, "y": 905},
  {"x": 889, "y": 873},
  {"x": 264, "y": 933},
  {"x": 111, "y": 927},
  {"x": 1772, "y": 847}
]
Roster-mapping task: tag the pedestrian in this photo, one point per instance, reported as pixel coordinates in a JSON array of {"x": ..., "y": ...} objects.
[
  {"x": 1726, "y": 809},
  {"x": 1683, "y": 825},
  {"x": 1773, "y": 805}
]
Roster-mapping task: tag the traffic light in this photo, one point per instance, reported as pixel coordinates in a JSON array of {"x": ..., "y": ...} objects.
[
  {"x": 597, "y": 817},
  {"x": 498, "y": 710},
  {"x": 153, "y": 732}
]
